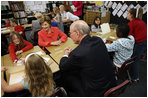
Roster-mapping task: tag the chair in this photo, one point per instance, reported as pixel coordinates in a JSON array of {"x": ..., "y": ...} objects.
[
  {"x": 115, "y": 91},
  {"x": 125, "y": 67},
  {"x": 35, "y": 40},
  {"x": 59, "y": 92}
]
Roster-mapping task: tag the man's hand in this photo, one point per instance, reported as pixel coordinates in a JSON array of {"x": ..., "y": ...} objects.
[
  {"x": 56, "y": 43},
  {"x": 67, "y": 51}
]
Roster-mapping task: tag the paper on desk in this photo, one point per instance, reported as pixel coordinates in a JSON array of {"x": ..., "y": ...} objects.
[
  {"x": 112, "y": 37},
  {"x": 39, "y": 53},
  {"x": 3, "y": 28},
  {"x": 6, "y": 30},
  {"x": 46, "y": 59},
  {"x": 105, "y": 28},
  {"x": 104, "y": 40}
]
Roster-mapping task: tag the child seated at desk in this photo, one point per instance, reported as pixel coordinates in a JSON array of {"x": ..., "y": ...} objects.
[
  {"x": 17, "y": 45},
  {"x": 96, "y": 25},
  {"x": 49, "y": 35},
  {"x": 7, "y": 23},
  {"x": 123, "y": 47},
  {"x": 38, "y": 78},
  {"x": 18, "y": 28}
]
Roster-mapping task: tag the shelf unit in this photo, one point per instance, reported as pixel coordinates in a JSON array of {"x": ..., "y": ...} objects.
[
  {"x": 6, "y": 13},
  {"x": 18, "y": 10}
]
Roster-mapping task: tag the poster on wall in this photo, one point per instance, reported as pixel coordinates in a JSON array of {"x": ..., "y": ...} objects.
[
  {"x": 119, "y": 13},
  {"x": 114, "y": 5},
  {"x": 124, "y": 7},
  {"x": 144, "y": 9},
  {"x": 125, "y": 14},
  {"x": 119, "y": 6},
  {"x": 114, "y": 12},
  {"x": 131, "y": 6}
]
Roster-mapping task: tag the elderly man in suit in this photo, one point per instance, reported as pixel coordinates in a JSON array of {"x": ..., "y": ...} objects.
[{"x": 87, "y": 69}]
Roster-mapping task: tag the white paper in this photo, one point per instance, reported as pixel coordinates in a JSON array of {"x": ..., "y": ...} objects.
[
  {"x": 110, "y": 4},
  {"x": 6, "y": 31},
  {"x": 105, "y": 28},
  {"x": 39, "y": 53},
  {"x": 38, "y": 2},
  {"x": 3, "y": 28},
  {"x": 131, "y": 6},
  {"x": 114, "y": 5},
  {"x": 46, "y": 59},
  {"x": 53, "y": 5},
  {"x": 112, "y": 37},
  {"x": 119, "y": 13},
  {"x": 125, "y": 14},
  {"x": 119, "y": 6},
  {"x": 124, "y": 7},
  {"x": 114, "y": 12},
  {"x": 105, "y": 4},
  {"x": 144, "y": 9},
  {"x": 137, "y": 6}
]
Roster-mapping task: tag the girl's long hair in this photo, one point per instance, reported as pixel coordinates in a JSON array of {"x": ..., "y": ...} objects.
[
  {"x": 133, "y": 12},
  {"x": 39, "y": 76},
  {"x": 22, "y": 44},
  {"x": 96, "y": 25}
]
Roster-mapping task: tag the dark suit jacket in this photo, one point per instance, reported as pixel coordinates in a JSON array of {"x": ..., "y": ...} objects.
[{"x": 87, "y": 70}]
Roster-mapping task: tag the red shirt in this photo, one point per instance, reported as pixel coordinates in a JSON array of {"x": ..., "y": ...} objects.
[
  {"x": 7, "y": 25},
  {"x": 138, "y": 29},
  {"x": 79, "y": 6},
  {"x": 19, "y": 28},
  {"x": 45, "y": 38},
  {"x": 13, "y": 49}
]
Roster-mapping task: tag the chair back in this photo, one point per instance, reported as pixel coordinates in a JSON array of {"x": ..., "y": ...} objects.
[
  {"x": 117, "y": 90},
  {"x": 59, "y": 92},
  {"x": 125, "y": 66},
  {"x": 35, "y": 41}
]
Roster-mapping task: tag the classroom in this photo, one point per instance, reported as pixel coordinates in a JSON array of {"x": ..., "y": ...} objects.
[{"x": 74, "y": 48}]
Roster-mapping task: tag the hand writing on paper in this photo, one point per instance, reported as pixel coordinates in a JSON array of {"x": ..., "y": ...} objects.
[
  {"x": 67, "y": 51},
  {"x": 18, "y": 52},
  {"x": 3, "y": 69},
  {"x": 56, "y": 43}
]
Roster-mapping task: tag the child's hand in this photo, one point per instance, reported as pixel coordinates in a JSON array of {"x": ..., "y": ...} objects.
[
  {"x": 3, "y": 69},
  {"x": 18, "y": 52},
  {"x": 56, "y": 43}
]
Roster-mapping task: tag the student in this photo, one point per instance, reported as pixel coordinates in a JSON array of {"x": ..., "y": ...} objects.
[
  {"x": 87, "y": 69},
  {"x": 17, "y": 45},
  {"x": 38, "y": 78},
  {"x": 7, "y": 23},
  {"x": 58, "y": 18},
  {"x": 138, "y": 29},
  {"x": 123, "y": 47},
  {"x": 17, "y": 28},
  {"x": 66, "y": 15},
  {"x": 96, "y": 25},
  {"x": 49, "y": 35},
  {"x": 36, "y": 24}
]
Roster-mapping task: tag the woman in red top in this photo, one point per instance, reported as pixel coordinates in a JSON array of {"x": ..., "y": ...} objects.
[
  {"x": 78, "y": 7},
  {"x": 17, "y": 28},
  {"x": 138, "y": 29},
  {"x": 49, "y": 35},
  {"x": 17, "y": 45}
]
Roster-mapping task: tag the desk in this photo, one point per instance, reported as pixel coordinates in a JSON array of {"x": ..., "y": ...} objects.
[
  {"x": 2, "y": 74},
  {"x": 17, "y": 70},
  {"x": 108, "y": 36},
  {"x": 57, "y": 52},
  {"x": 11, "y": 29}
]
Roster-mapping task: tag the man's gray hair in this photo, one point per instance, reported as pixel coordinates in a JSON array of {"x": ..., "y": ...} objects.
[{"x": 83, "y": 28}]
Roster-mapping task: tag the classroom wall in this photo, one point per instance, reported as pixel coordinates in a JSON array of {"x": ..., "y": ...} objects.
[{"x": 118, "y": 20}]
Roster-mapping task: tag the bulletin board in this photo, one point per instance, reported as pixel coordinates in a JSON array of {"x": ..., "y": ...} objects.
[{"x": 119, "y": 10}]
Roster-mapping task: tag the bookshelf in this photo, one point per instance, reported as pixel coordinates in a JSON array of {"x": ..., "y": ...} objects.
[
  {"x": 6, "y": 13},
  {"x": 18, "y": 10}
]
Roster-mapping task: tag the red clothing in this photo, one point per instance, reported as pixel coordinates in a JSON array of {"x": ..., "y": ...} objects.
[
  {"x": 19, "y": 28},
  {"x": 138, "y": 29},
  {"x": 7, "y": 25},
  {"x": 45, "y": 38},
  {"x": 13, "y": 49},
  {"x": 79, "y": 6}
]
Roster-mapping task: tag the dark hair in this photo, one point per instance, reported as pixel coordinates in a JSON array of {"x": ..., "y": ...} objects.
[
  {"x": 122, "y": 30},
  {"x": 133, "y": 12},
  {"x": 45, "y": 19},
  {"x": 22, "y": 44},
  {"x": 13, "y": 20},
  {"x": 96, "y": 25}
]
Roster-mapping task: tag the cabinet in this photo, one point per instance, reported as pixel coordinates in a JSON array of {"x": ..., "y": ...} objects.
[
  {"x": 18, "y": 10},
  {"x": 90, "y": 16}
]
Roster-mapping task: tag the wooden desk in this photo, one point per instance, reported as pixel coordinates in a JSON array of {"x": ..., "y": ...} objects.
[
  {"x": 11, "y": 29},
  {"x": 57, "y": 52},
  {"x": 12, "y": 69},
  {"x": 108, "y": 36},
  {"x": 2, "y": 75}
]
